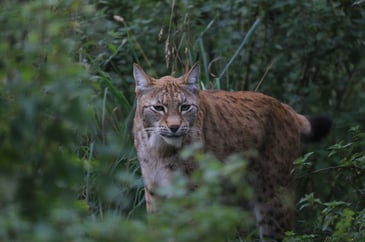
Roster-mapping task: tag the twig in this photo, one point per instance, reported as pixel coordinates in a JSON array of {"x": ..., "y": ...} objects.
[{"x": 265, "y": 74}]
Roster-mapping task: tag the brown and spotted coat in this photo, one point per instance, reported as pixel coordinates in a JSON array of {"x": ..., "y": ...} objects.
[{"x": 172, "y": 113}]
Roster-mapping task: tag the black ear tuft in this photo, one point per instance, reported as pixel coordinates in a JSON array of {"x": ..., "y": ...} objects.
[
  {"x": 197, "y": 57},
  {"x": 320, "y": 127}
]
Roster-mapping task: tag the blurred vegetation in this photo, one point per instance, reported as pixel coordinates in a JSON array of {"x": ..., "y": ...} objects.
[{"x": 67, "y": 100}]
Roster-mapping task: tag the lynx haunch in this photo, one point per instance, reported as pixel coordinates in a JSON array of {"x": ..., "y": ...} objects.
[{"x": 173, "y": 112}]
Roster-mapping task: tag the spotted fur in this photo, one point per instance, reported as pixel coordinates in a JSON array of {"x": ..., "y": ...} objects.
[{"x": 172, "y": 113}]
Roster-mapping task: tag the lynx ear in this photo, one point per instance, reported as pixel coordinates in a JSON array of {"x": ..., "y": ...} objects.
[
  {"x": 141, "y": 78},
  {"x": 192, "y": 77}
]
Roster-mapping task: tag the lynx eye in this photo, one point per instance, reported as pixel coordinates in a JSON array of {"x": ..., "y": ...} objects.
[
  {"x": 158, "y": 108},
  {"x": 185, "y": 107}
]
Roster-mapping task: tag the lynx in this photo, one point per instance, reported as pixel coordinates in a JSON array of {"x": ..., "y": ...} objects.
[{"x": 173, "y": 112}]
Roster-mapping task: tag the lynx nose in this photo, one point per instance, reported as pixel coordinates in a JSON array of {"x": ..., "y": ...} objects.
[{"x": 174, "y": 128}]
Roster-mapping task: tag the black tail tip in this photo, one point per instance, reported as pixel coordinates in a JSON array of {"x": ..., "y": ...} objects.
[{"x": 320, "y": 127}]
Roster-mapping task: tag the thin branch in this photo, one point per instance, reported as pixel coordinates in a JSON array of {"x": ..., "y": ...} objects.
[{"x": 265, "y": 74}]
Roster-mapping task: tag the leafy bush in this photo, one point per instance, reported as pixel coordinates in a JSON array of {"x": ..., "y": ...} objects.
[{"x": 341, "y": 184}]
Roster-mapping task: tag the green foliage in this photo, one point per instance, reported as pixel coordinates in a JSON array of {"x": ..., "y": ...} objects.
[
  {"x": 203, "y": 210},
  {"x": 342, "y": 185},
  {"x": 67, "y": 101},
  {"x": 44, "y": 108}
]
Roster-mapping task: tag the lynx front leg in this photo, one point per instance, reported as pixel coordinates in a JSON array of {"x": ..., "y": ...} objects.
[
  {"x": 157, "y": 177},
  {"x": 150, "y": 198}
]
